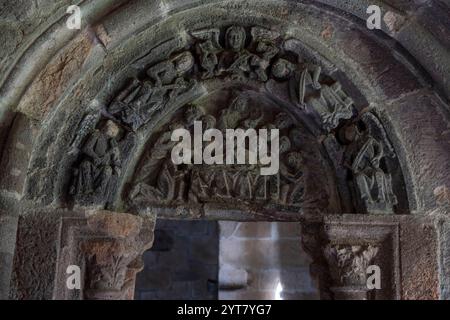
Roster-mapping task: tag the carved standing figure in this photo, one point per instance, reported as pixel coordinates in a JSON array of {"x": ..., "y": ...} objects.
[
  {"x": 373, "y": 184},
  {"x": 292, "y": 180}
]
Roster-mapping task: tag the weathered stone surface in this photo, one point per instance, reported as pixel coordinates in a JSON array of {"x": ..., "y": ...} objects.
[
  {"x": 35, "y": 256},
  {"x": 64, "y": 97},
  {"x": 443, "y": 227},
  {"x": 419, "y": 260},
  {"x": 17, "y": 153},
  {"x": 424, "y": 137},
  {"x": 54, "y": 80},
  {"x": 406, "y": 252},
  {"x": 114, "y": 225},
  {"x": 109, "y": 246}
]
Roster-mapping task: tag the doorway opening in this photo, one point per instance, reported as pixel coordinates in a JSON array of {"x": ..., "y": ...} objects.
[{"x": 226, "y": 260}]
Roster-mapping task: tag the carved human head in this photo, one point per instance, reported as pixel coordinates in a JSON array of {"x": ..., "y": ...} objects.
[
  {"x": 282, "y": 69},
  {"x": 235, "y": 37},
  {"x": 184, "y": 62},
  {"x": 111, "y": 129}
]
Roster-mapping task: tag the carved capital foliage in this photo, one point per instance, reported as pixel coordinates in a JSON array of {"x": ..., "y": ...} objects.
[
  {"x": 355, "y": 244},
  {"x": 107, "y": 247},
  {"x": 348, "y": 264}
]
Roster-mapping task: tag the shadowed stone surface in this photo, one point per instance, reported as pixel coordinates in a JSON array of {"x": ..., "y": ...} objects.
[{"x": 85, "y": 117}]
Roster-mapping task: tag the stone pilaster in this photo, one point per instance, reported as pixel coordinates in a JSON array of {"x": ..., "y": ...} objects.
[
  {"x": 107, "y": 247},
  {"x": 354, "y": 243},
  {"x": 443, "y": 233}
]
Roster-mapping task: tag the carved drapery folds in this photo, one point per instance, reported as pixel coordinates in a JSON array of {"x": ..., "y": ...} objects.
[
  {"x": 159, "y": 181},
  {"x": 107, "y": 247},
  {"x": 237, "y": 61},
  {"x": 100, "y": 158},
  {"x": 140, "y": 100},
  {"x": 369, "y": 157}
]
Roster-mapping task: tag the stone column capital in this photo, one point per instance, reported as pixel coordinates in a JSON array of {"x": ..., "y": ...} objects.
[{"x": 108, "y": 248}]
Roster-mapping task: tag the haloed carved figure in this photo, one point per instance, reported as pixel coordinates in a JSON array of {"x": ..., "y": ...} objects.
[
  {"x": 236, "y": 61},
  {"x": 100, "y": 164}
]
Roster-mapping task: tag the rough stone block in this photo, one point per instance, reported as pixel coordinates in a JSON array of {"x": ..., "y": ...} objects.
[{"x": 16, "y": 155}]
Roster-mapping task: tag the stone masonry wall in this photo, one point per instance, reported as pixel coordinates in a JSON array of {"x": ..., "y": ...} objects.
[{"x": 263, "y": 260}]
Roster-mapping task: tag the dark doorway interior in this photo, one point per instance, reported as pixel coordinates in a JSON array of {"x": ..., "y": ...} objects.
[{"x": 183, "y": 262}]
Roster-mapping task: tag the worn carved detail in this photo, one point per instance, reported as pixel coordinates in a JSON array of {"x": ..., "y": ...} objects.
[
  {"x": 140, "y": 100},
  {"x": 108, "y": 248},
  {"x": 332, "y": 105},
  {"x": 234, "y": 54},
  {"x": 159, "y": 181},
  {"x": 348, "y": 263},
  {"x": 99, "y": 165},
  {"x": 373, "y": 184},
  {"x": 241, "y": 56}
]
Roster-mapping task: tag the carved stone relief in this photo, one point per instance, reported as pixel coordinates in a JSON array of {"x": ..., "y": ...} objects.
[
  {"x": 368, "y": 156},
  {"x": 107, "y": 247},
  {"x": 348, "y": 264},
  {"x": 140, "y": 100},
  {"x": 159, "y": 181},
  {"x": 229, "y": 56},
  {"x": 99, "y": 164},
  {"x": 374, "y": 186},
  {"x": 355, "y": 244}
]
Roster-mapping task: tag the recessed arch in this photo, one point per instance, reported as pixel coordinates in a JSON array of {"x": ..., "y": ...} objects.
[{"x": 391, "y": 84}]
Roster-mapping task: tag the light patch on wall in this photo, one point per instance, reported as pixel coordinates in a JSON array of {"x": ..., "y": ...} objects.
[{"x": 278, "y": 291}]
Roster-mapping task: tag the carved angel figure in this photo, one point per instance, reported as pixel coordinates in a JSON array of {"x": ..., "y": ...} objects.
[{"x": 139, "y": 100}]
